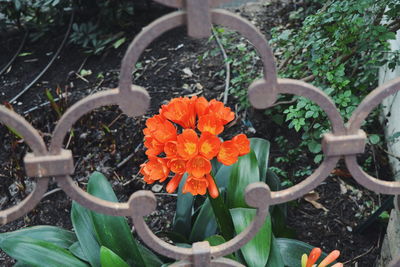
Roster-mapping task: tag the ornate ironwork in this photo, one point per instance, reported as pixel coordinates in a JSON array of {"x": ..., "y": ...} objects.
[{"x": 344, "y": 140}]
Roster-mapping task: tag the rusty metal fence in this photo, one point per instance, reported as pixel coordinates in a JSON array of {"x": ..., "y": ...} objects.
[{"x": 345, "y": 140}]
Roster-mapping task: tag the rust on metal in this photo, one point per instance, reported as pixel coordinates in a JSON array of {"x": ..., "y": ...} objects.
[
  {"x": 49, "y": 165},
  {"x": 337, "y": 145},
  {"x": 198, "y": 16}
]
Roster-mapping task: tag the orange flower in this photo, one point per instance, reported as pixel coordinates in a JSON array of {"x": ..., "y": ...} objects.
[
  {"x": 201, "y": 106},
  {"x": 160, "y": 128},
  {"x": 187, "y": 152},
  {"x": 188, "y": 144},
  {"x": 198, "y": 166},
  {"x": 210, "y": 123},
  {"x": 314, "y": 255},
  {"x": 221, "y": 112},
  {"x": 181, "y": 111},
  {"x": 155, "y": 169},
  {"x": 195, "y": 186},
  {"x": 242, "y": 144},
  {"x": 174, "y": 183},
  {"x": 228, "y": 154},
  {"x": 330, "y": 258},
  {"x": 153, "y": 146},
  {"x": 209, "y": 145},
  {"x": 177, "y": 165},
  {"x": 170, "y": 149}
]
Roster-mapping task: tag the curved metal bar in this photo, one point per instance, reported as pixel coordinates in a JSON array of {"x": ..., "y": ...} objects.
[
  {"x": 359, "y": 115},
  {"x": 371, "y": 101},
  {"x": 288, "y": 86},
  {"x": 142, "y": 203},
  {"x": 35, "y": 142},
  {"x": 181, "y": 3},
  {"x": 109, "y": 97},
  {"x": 395, "y": 262},
  {"x": 175, "y": 19},
  {"x": 219, "y": 262}
]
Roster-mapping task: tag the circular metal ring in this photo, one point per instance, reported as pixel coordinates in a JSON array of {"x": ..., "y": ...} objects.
[
  {"x": 142, "y": 203},
  {"x": 105, "y": 98},
  {"x": 181, "y": 4},
  {"x": 288, "y": 86},
  {"x": 359, "y": 115},
  {"x": 176, "y": 19},
  {"x": 35, "y": 142}
]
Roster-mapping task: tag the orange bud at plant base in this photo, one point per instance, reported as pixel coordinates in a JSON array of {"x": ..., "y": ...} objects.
[
  {"x": 314, "y": 255},
  {"x": 174, "y": 183}
]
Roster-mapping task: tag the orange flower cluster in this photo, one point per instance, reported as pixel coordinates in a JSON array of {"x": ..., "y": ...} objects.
[{"x": 189, "y": 151}]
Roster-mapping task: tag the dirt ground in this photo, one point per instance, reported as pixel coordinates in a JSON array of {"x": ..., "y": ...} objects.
[{"x": 104, "y": 138}]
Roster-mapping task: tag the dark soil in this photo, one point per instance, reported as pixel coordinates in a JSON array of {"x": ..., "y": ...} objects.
[{"x": 104, "y": 138}]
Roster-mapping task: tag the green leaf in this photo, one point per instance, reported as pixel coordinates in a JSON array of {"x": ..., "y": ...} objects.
[
  {"x": 21, "y": 264},
  {"x": 110, "y": 259},
  {"x": 113, "y": 232},
  {"x": 205, "y": 224},
  {"x": 51, "y": 234},
  {"x": 374, "y": 139},
  {"x": 76, "y": 249},
  {"x": 149, "y": 257},
  {"x": 222, "y": 176},
  {"x": 261, "y": 149},
  {"x": 183, "y": 214},
  {"x": 314, "y": 147},
  {"x": 216, "y": 240},
  {"x": 255, "y": 252},
  {"x": 39, "y": 253},
  {"x": 222, "y": 216},
  {"x": 293, "y": 250},
  {"x": 244, "y": 172},
  {"x": 275, "y": 257},
  {"x": 119, "y": 42},
  {"x": 84, "y": 229}
]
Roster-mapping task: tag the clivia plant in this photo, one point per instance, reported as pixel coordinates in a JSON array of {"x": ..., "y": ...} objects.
[{"x": 210, "y": 176}]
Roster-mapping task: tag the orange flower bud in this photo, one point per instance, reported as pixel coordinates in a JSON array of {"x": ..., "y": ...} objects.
[
  {"x": 210, "y": 123},
  {"x": 212, "y": 187},
  {"x": 330, "y": 258},
  {"x": 242, "y": 143},
  {"x": 187, "y": 145},
  {"x": 314, "y": 255},
  {"x": 209, "y": 145},
  {"x": 228, "y": 153},
  {"x": 174, "y": 183},
  {"x": 198, "y": 166}
]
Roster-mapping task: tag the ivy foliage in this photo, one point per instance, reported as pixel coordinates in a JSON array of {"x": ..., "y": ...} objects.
[{"x": 339, "y": 49}]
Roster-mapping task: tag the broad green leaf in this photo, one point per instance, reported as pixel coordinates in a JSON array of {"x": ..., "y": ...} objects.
[
  {"x": 183, "y": 214},
  {"x": 293, "y": 250},
  {"x": 110, "y": 259},
  {"x": 222, "y": 176},
  {"x": 273, "y": 181},
  {"x": 113, "y": 232},
  {"x": 84, "y": 229},
  {"x": 76, "y": 249},
  {"x": 205, "y": 224},
  {"x": 257, "y": 251},
  {"x": 173, "y": 236},
  {"x": 244, "y": 172},
  {"x": 261, "y": 149},
  {"x": 275, "y": 257},
  {"x": 149, "y": 257},
  {"x": 21, "y": 264},
  {"x": 39, "y": 253},
  {"x": 216, "y": 240},
  {"x": 51, "y": 234}
]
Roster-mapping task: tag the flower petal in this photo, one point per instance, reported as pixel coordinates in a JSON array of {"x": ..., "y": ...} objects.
[
  {"x": 228, "y": 153},
  {"x": 212, "y": 187},
  {"x": 242, "y": 143},
  {"x": 314, "y": 255},
  {"x": 330, "y": 258},
  {"x": 195, "y": 186},
  {"x": 210, "y": 123},
  {"x": 173, "y": 183}
]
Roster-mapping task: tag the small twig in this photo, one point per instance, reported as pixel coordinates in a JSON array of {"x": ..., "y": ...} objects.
[
  {"x": 69, "y": 139},
  {"x": 111, "y": 123},
  {"x": 52, "y": 192},
  {"x": 389, "y": 153},
  {"x": 308, "y": 78},
  {"x": 128, "y": 157},
  {"x": 65, "y": 95},
  {"x": 227, "y": 66},
  {"x": 50, "y": 63},
  {"x": 359, "y": 256},
  {"x": 283, "y": 103},
  {"x": 166, "y": 194},
  {"x": 16, "y": 54},
  {"x": 83, "y": 64}
]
